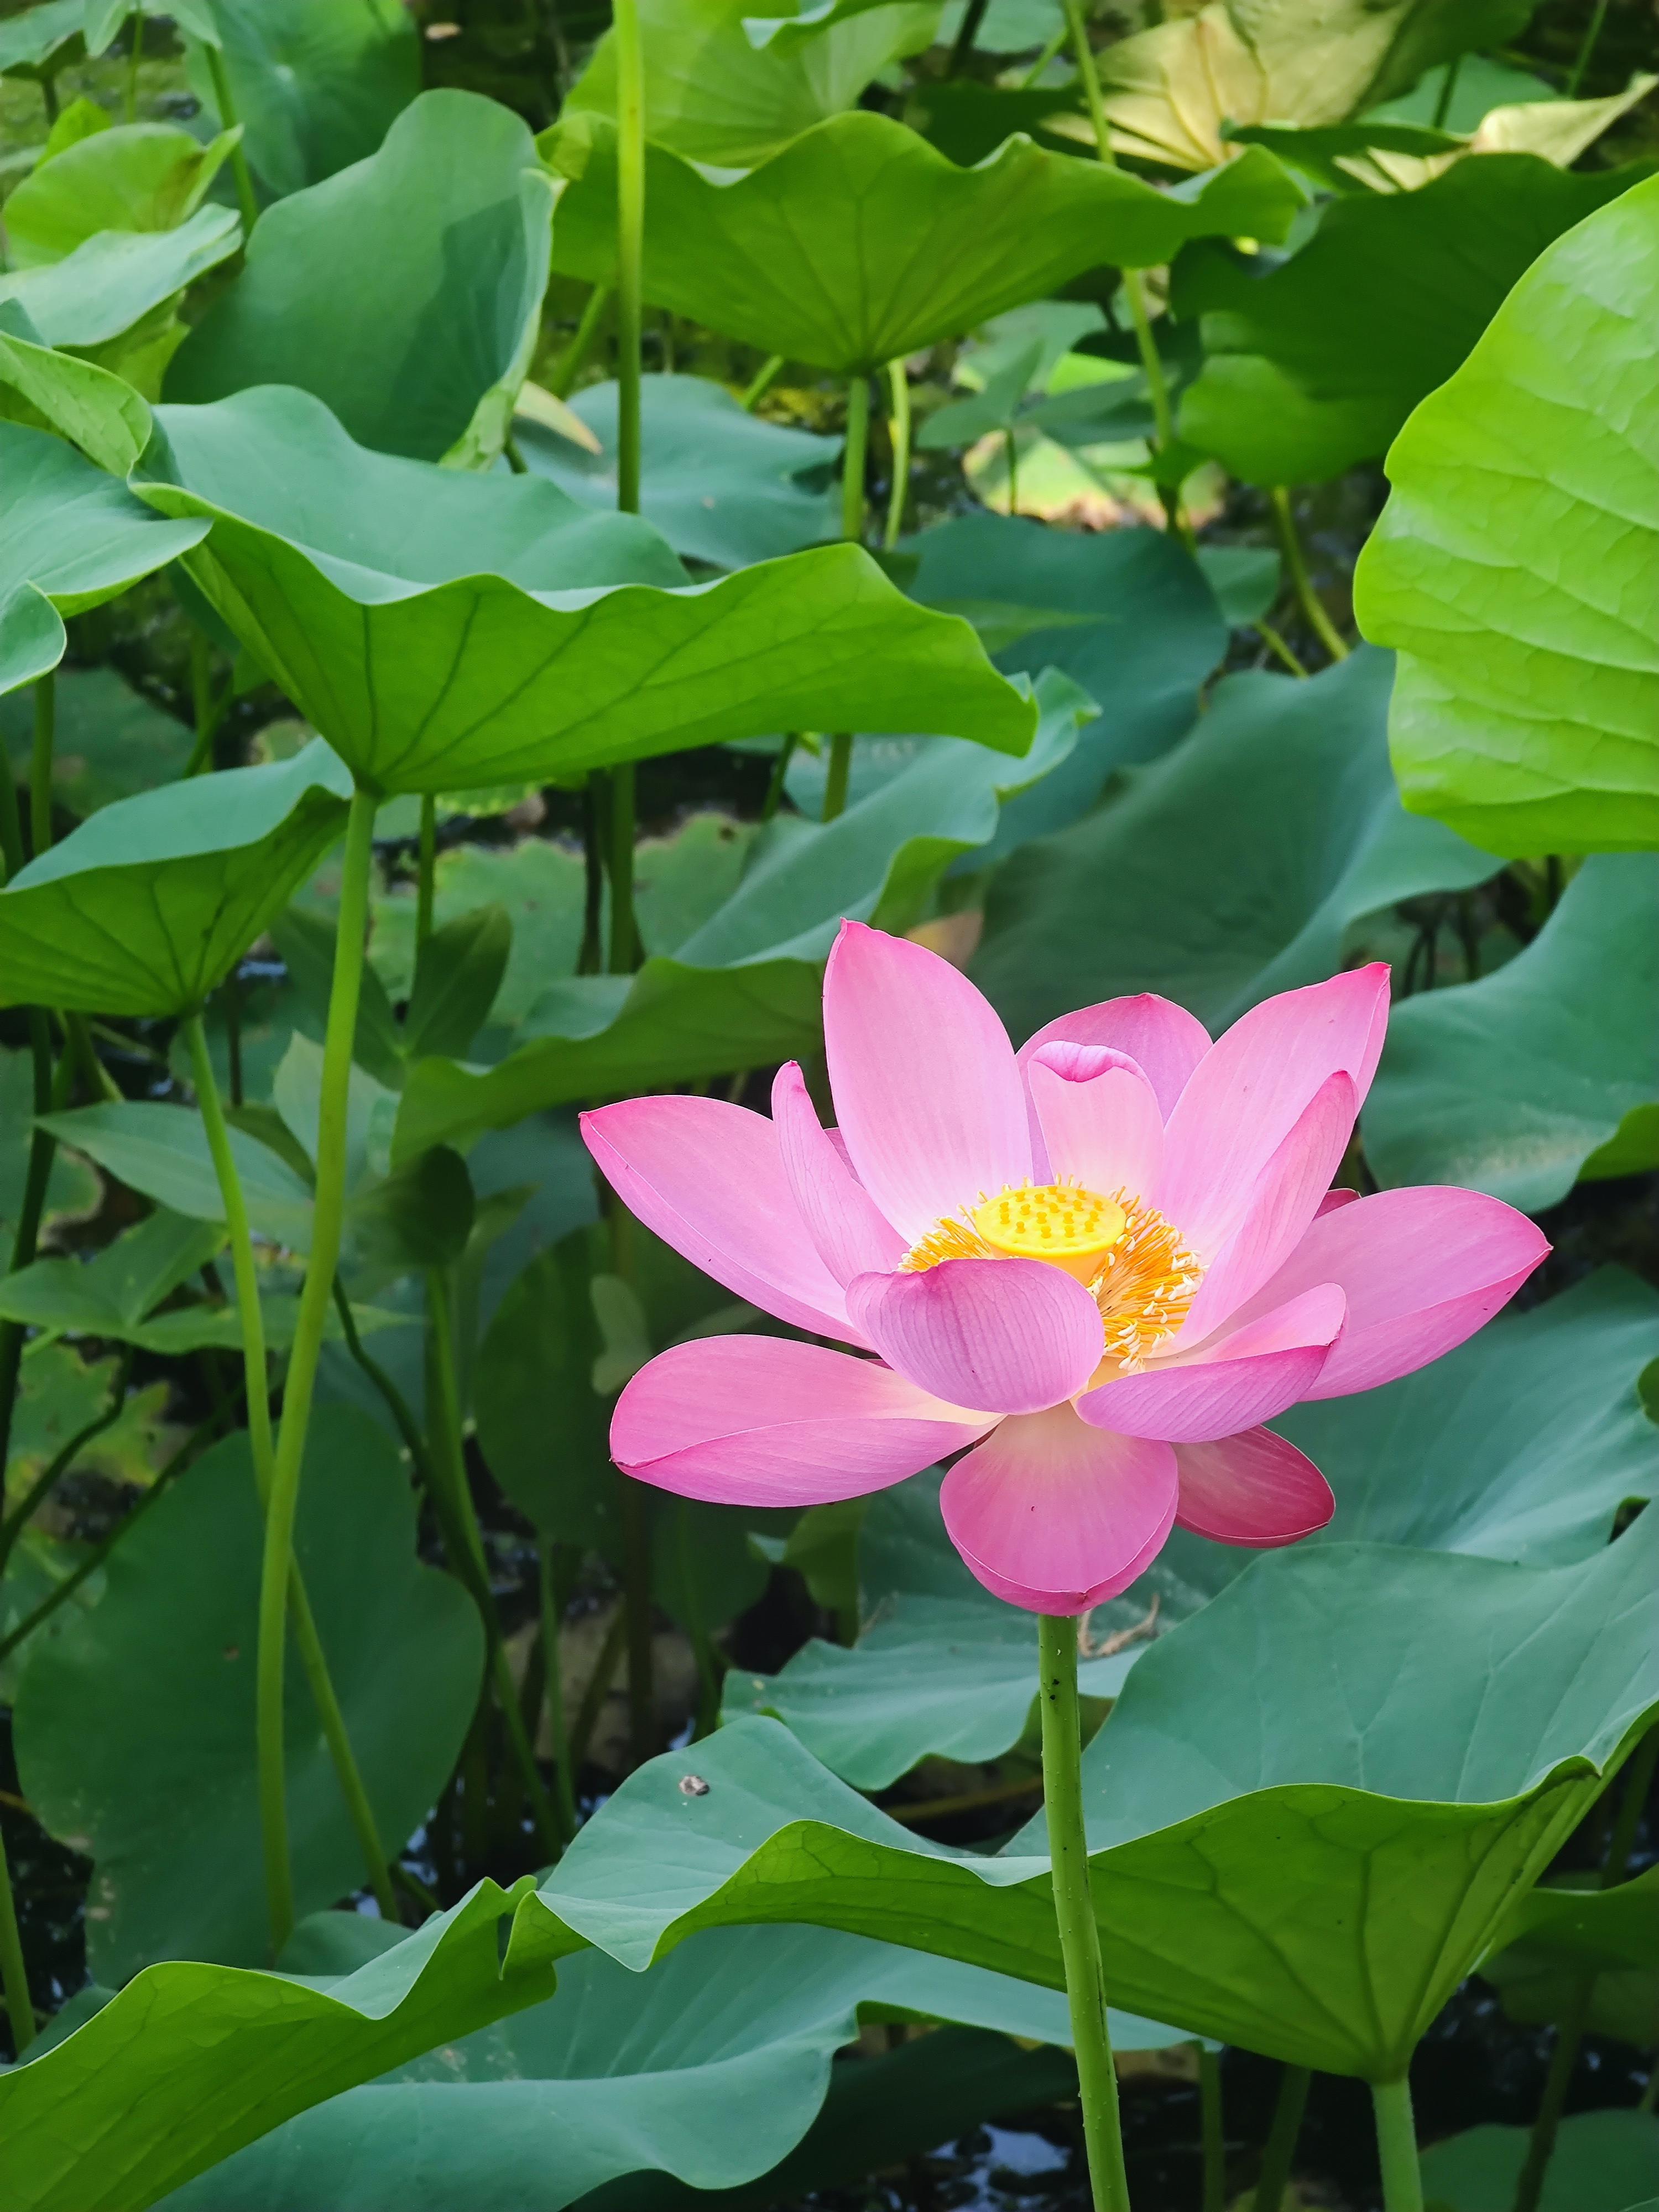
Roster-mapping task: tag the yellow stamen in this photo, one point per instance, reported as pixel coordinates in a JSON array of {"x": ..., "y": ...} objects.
[{"x": 1143, "y": 1277}]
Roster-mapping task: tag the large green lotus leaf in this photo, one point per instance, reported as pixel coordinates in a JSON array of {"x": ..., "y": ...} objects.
[
  {"x": 147, "y": 906},
  {"x": 69, "y": 538},
  {"x": 34, "y": 40},
  {"x": 405, "y": 292},
  {"x": 1523, "y": 1444},
  {"x": 1307, "y": 1819},
  {"x": 858, "y": 241},
  {"x": 542, "y": 656},
  {"x": 1129, "y": 615},
  {"x": 135, "y": 1723},
  {"x": 1171, "y": 90},
  {"x": 1546, "y": 1070},
  {"x": 1526, "y": 708},
  {"x": 88, "y": 404},
  {"x": 1280, "y": 802},
  {"x": 1316, "y": 365},
  {"x": 1603, "y": 2160},
  {"x": 162, "y": 1152},
  {"x": 743, "y": 989},
  {"x": 711, "y": 94},
  {"x": 722, "y": 485},
  {"x": 111, "y": 742},
  {"x": 710, "y": 2067},
  {"x": 316, "y": 84},
  {"x": 136, "y": 177},
  {"x": 1559, "y": 1936},
  {"x": 119, "y": 277}
]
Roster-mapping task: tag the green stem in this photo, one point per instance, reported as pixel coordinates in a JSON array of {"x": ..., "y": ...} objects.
[
  {"x": 1448, "y": 86},
  {"x": 45, "y": 722},
  {"x": 599, "y": 1682},
  {"x": 899, "y": 383},
  {"x": 428, "y": 865},
  {"x": 553, "y": 1686},
  {"x": 49, "y": 97},
  {"x": 246, "y": 198},
  {"x": 571, "y": 360},
  {"x": 1271, "y": 638},
  {"x": 13, "y": 1974},
  {"x": 135, "y": 57},
  {"x": 1280, "y": 2148},
  {"x": 1212, "y": 2123},
  {"x": 449, "y": 1464},
  {"x": 1043, "y": 59},
  {"x": 397, "y": 1404},
  {"x": 630, "y": 245},
  {"x": 623, "y": 929},
  {"x": 764, "y": 378},
  {"x": 1396, "y": 2147},
  {"x": 779, "y": 771},
  {"x": 852, "y": 470},
  {"x": 1586, "y": 48},
  {"x": 42, "y": 1148},
  {"x": 308, "y": 1641},
  {"x": 1134, "y": 289},
  {"x": 636, "y": 1585},
  {"x": 840, "y": 770},
  {"x": 207, "y": 713},
  {"x": 1295, "y": 564},
  {"x": 1569, "y": 2031},
  {"x": 315, "y": 1298},
  {"x": 1011, "y": 463},
  {"x": 972, "y": 16},
  {"x": 590, "y": 960},
  {"x": 1079, "y": 1936}
]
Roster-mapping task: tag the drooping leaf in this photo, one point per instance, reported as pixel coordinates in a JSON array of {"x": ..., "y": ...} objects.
[
  {"x": 626, "y": 2074},
  {"x": 1316, "y": 365},
  {"x": 405, "y": 292},
  {"x": 70, "y": 539},
  {"x": 541, "y": 657},
  {"x": 1280, "y": 802},
  {"x": 1524, "y": 713},
  {"x": 89, "y": 405},
  {"x": 1602, "y": 2162},
  {"x": 743, "y": 989},
  {"x": 1169, "y": 90},
  {"x": 1564, "y": 1942},
  {"x": 858, "y": 241},
  {"x": 316, "y": 84},
  {"x": 1547, "y": 1070},
  {"x": 118, "y": 277},
  {"x": 722, "y": 486},
  {"x": 1257, "y": 1815},
  {"x": 135, "y": 177},
  {"x": 39, "y": 41},
  {"x": 134, "y": 1723},
  {"x": 146, "y": 907},
  {"x": 711, "y": 94},
  {"x": 162, "y": 1151}
]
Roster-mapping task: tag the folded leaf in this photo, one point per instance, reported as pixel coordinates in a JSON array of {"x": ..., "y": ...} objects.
[{"x": 119, "y": 277}]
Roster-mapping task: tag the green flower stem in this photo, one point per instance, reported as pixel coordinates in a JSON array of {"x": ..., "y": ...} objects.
[
  {"x": 553, "y": 1684},
  {"x": 1135, "y": 287},
  {"x": 1295, "y": 563},
  {"x": 1569, "y": 2031},
  {"x": 428, "y": 865},
  {"x": 570, "y": 361},
  {"x": 630, "y": 245},
  {"x": 135, "y": 59},
  {"x": 764, "y": 378},
  {"x": 1586, "y": 48},
  {"x": 397, "y": 1405},
  {"x": 1276, "y": 643},
  {"x": 852, "y": 527},
  {"x": 780, "y": 772},
  {"x": 246, "y": 198},
  {"x": 1396, "y": 2147},
  {"x": 13, "y": 1974},
  {"x": 1212, "y": 2123},
  {"x": 1047, "y": 55},
  {"x": 1079, "y": 1936},
  {"x": 1280, "y": 2148},
  {"x": 972, "y": 16},
  {"x": 308, "y": 1641},
  {"x": 315, "y": 1298},
  {"x": 464, "y": 1540},
  {"x": 899, "y": 383},
  {"x": 624, "y": 931},
  {"x": 46, "y": 726}
]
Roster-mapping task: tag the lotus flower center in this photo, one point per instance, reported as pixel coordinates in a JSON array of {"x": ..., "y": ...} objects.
[
  {"x": 1060, "y": 1222},
  {"x": 1132, "y": 1260}
]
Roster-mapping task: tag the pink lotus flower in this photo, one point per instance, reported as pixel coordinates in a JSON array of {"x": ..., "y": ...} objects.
[{"x": 1102, "y": 1262}]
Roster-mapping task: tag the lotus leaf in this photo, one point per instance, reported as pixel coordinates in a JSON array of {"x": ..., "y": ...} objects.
[
  {"x": 1601, "y": 2158},
  {"x": 858, "y": 241},
  {"x": 1546, "y": 1070},
  {"x": 1524, "y": 712},
  {"x": 405, "y": 292},
  {"x": 118, "y": 277},
  {"x": 90, "y": 406},
  {"x": 540, "y": 658},
  {"x": 140, "y": 177}
]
